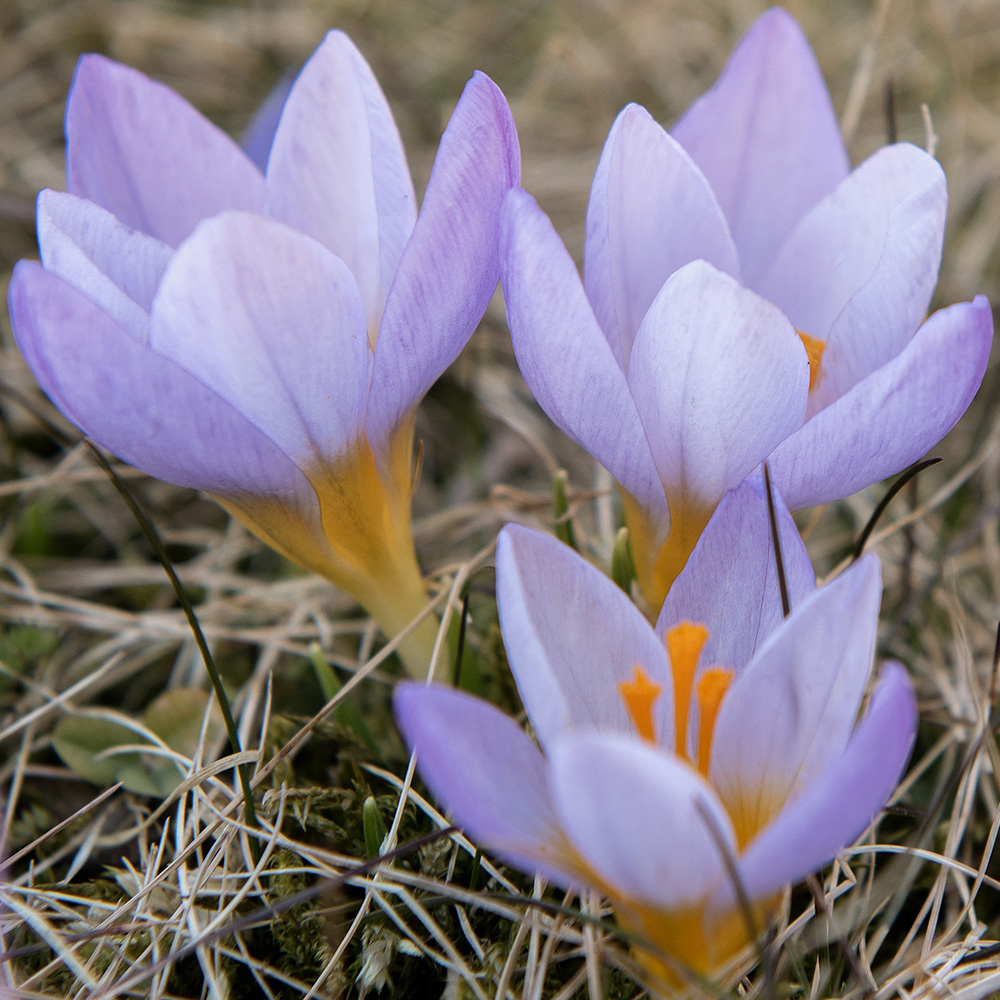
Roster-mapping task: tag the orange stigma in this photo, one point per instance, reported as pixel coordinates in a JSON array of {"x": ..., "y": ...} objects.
[
  {"x": 711, "y": 689},
  {"x": 814, "y": 352},
  {"x": 684, "y": 645},
  {"x": 639, "y": 695}
]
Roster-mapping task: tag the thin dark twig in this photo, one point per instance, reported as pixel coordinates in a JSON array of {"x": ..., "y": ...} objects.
[
  {"x": 460, "y": 644},
  {"x": 904, "y": 477},
  {"x": 733, "y": 874},
  {"x": 779, "y": 559},
  {"x": 995, "y": 668},
  {"x": 152, "y": 536}
]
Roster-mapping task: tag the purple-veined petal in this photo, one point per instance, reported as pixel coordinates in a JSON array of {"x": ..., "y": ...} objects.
[
  {"x": 258, "y": 137},
  {"x": 141, "y": 151},
  {"x": 842, "y": 801},
  {"x": 272, "y": 321},
  {"x": 337, "y": 169},
  {"x": 719, "y": 378},
  {"x": 641, "y": 819},
  {"x": 791, "y": 710},
  {"x": 116, "y": 267},
  {"x": 572, "y": 636},
  {"x": 564, "y": 356},
  {"x": 449, "y": 269},
  {"x": 486, "y": 772},
  {"x": 651, "y": 211},
  {"x": 730, "y": 581},
  {"x": 139, "y": 405},
  {"x": 860, "y": 269},
  {"x": 894, "y": 416},
  {"x": 767, "y": 139}
]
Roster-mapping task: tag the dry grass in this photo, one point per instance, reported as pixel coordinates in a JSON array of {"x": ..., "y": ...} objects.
[{"x": 113, "y": 894}]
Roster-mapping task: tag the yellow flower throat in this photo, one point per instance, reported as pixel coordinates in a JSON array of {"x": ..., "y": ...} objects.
[
  {"x": 684, "y": 645},
  {"x": 814, "y": 352}
]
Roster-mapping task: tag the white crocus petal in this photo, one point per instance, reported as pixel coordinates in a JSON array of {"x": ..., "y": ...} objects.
[
  {"x": 337, "y": 169},
  {"x": 730, "y": 582},
  {"x": 719, "y": 378},
  {"x": 841, "y": 802},
  {"x": 791, "y": 711},
  {"x": 117, "y": 268},
  {"x": 288, "y": 346},
  {"x": 138, "y": 149},
  {"x": 566, "y": 359},
  {"x": 860, "y": 269},
  {"x": 766, "y": 137},
  {"x": 490, "y": 775},
  {"x": 449, "y": 269},
  {"x": 645, "y": 823},
  {"x": 572, "y": 636},
  {"x": 650, "y": 212},
  {"x": 894, "y": 416}
]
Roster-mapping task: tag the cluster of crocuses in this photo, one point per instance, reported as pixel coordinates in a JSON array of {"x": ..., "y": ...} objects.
[{"x": 261, "y": 323}]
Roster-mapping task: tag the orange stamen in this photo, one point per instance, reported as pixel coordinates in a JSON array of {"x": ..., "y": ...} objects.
[
  {"x": 814, "y": 352},
  {"x": 712, "y": 687},
  {"x": 684, "y": 645},
  {"x": 639, "y": 695}
]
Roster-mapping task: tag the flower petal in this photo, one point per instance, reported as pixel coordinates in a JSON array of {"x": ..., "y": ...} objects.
[
  {"x": 651, "y": 211},
  {"x": 719, "y": 378},
  {"x": 767, "y": 139},
  {"x": 271, "y": 321},
  {"x": 337, "y": 169},
  {"x": 791, "y": 710},
  {"x": 564, "y": 356},
  {"x": 117, "y": 268},
  {"x": 142, "y": 152},
  {"x": 449, "y": 269},
  {"x": 842, "y": 801},
  {"x": 640, "y": 819},
  {"x": 894, "y": 416},
  {"x": 486, "y": 772},
  {"x": 860, "y": 269},
  {"x": 140, "y": 406},
  {"x": 730, "y": 583},
  {"x": 571, "y": 637}
]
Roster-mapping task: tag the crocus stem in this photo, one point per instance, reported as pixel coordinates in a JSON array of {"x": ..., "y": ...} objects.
[
  {"x": 659, "y": 561},
  {"x": 395, "y": 603}
]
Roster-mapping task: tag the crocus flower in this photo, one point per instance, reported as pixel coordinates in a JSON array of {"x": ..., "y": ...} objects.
[
  {"x": 658, "y": 768},
  {"x": 754, "y": 182},
  {"x": 265, "y": 335}
]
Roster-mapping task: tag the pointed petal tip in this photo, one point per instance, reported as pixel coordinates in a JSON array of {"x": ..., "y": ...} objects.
[
  {"x": 774, "y": 29},
  {"x": 482, "y": 88}
]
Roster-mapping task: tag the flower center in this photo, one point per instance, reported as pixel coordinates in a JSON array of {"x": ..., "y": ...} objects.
[
  {"x": 684, "y": 645},
  {"x": 814, "y": 352}
]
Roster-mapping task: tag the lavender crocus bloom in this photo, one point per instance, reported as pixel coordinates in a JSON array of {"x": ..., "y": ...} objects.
[
  {"x": 754, "y": 182},
  {"x": 654, "y": 763},
  {"x": 267, "y": 336}
]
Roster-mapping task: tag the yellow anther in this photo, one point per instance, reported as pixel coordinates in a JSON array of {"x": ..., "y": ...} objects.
[
  {"x": 814, "y": 352},
  {"x": 712, "y": 687},
  {"x": 639, "y": 695},
  {"x": 684, "y": 645}
]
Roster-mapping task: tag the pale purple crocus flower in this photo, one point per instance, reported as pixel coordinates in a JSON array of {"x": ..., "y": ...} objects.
[
  {"x": 266, "y": 335},
  {"x": 754, "y": 182},
  {"x": 664, "y": 758}
]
